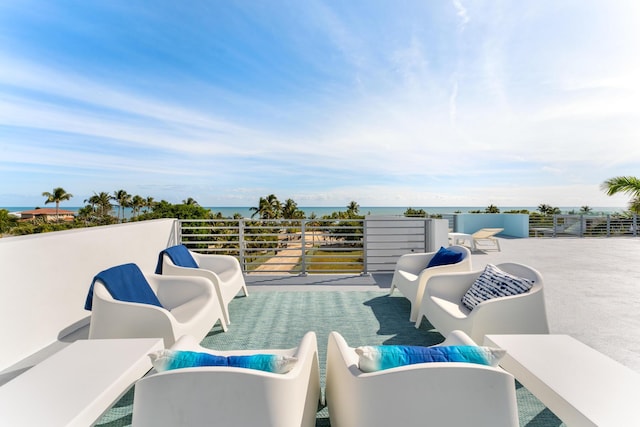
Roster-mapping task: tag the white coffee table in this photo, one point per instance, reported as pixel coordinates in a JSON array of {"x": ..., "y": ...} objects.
[
  {"x": 582, "y": 386},
  {"x": 75, "y": 386}
]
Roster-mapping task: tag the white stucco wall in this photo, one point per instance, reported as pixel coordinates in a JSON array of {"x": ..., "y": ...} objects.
[
  {"x": 44, "y": 278},
  {"x": 515, "y": 225}
]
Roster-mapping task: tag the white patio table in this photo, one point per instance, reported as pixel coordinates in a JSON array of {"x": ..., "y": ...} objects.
[
  {"x": 76, "y": 385},
  {"x": 582, "y": 386}
]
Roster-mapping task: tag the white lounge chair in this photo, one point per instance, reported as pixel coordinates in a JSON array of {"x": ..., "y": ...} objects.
[
  {"x": 451, "y": 394},
  {"x": 411, "y": 274},
  {"x": 189, "y": 306},
  {"x": 230, "y": 396},
  {"x": 483, "y": 239},
  {"x": 518, "y": 314},
  {"x": 222, "y": 270}
]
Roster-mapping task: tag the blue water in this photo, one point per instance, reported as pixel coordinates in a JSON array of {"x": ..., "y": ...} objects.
[{"x": 319, "y": 211}]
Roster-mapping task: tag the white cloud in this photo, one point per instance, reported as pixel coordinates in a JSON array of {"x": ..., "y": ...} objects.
[
  {"x": 499, "y": 111},
  {"x": 462, "y": 14}
]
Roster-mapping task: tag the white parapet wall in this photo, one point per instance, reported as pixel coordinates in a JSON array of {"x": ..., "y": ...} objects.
[{"x": 44, "y": 278}]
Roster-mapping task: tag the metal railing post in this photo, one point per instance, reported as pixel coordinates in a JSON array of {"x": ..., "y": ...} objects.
[
  {"x": 303, "y": 247},
  {"x": 425, "y": 235},
  {"x": 242, "y": 245},
  {"x": 365, "y": 263}
]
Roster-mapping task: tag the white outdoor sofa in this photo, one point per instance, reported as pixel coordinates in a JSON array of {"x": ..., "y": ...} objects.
[
  {"x": 189, "y": 306},
  {"x": 448, "y": 394},
  {"x": 518, "y": 314},
  {"x": 411, "y": 274},
  {"x": 231, "y": 396},
  {"x": 222, "y": 270}
]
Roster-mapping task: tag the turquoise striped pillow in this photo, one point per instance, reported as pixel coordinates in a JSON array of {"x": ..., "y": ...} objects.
[
  {"x": 165, "y": 360},
  {"x": 377, "y": 358}
]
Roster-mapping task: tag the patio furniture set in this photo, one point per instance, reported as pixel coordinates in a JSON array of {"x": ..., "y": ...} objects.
[
  {"x": 196, "y": 384},
  {"x": 167, "y": 315}
]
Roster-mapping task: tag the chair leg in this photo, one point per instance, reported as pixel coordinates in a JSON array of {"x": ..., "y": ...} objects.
[
  {"x": 245, "y": 290},
  {"x": 413, "y": 313},
  {"x": 224, "y": 325},
  {"x": 393, "y": 287},
  {"x": 419, "y": 319},
  {"x": 226, "y": 320}
]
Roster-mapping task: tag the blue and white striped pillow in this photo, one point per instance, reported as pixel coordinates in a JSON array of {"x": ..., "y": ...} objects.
[
  {"x": 165, "y": 360},
  {"x": 494, "y": 283},
  {"x": 380, "y": 357}
]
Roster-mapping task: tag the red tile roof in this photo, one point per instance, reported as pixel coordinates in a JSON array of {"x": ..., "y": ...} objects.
[{"x": 48, "y": 211}]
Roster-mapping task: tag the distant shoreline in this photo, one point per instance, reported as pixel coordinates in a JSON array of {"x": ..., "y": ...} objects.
[{"x": 319, "y": 211}]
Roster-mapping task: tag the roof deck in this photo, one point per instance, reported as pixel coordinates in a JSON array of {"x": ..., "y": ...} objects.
[{"x": 591, "y": 286}]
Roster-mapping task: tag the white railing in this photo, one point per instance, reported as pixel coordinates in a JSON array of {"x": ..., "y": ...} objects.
[
  {"x": 583, "y": 226},
  {"x": 280, "y": 246},
  {"x": 305, "y": 246}
]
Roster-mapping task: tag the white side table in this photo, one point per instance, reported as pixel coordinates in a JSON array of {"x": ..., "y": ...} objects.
[
  {"x": 582, "y": 386},
  {"x": 75, "y": 386}
]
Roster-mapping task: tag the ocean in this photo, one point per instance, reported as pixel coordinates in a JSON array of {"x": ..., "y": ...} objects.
[{"x": 319, "y": 211}]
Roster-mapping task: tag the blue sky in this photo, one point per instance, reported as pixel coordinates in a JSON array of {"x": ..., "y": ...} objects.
[{"x": 388, "y": 103}]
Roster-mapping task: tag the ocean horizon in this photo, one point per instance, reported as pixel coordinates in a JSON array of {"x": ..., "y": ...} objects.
[{"x": 319, "y": 211}]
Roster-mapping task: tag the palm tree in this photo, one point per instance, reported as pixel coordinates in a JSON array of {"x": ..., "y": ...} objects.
[
  {"x": 545, "y": 209},
  {"x": 276, "y": 206},
  {"x": 290, "y": 210},
  {"x": 624, "y": 184},
  {"x": 124, "y": 199},
  {"x": 149, "y": 203},
  {"x": 268, "y": 208},
  {"x": 353, "y": 207},
  {"x": 190, "y": 201},
  {"x": 101, "y": 203},
  {"x": 58, "y": 195},
  {"x": 136, "y": 204},
  {"x": 257, "y": 210},
  {"x": 585, "y": 210},
  {"x": 492, "y": 209}
]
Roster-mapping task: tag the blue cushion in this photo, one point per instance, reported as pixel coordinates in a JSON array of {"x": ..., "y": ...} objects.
[
  {"x": 125, "y": 283},
  {"x": 165, "y": 360},
  {"x": 376, "y": 358},
  {"x": 445, "y": 256},
  {"x": 179, "y": 255},
  {"x": 494, "y": 283}
]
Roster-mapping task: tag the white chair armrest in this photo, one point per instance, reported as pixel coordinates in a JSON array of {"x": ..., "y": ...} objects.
[
  {"x": 216, "y": 262},
  {"x": 526, "y": 313},
  {"x": 113, "y": 319},
  {"x": 171, "y": 269},
  {"x": 414, "y": 263},
  {"x": 457, "y": 337},
  {"x": 174, "y": 291},
  {"x": 451, "y": 286}
]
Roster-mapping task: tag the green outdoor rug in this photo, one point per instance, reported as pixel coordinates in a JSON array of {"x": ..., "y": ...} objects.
[{"x": 279, "y": 320}]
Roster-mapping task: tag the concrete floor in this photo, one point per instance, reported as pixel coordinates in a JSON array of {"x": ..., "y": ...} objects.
[{"x": 592, "y": 287}]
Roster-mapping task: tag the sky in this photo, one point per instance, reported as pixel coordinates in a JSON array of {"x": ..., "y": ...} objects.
[{"x": 386, "y": 103}]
